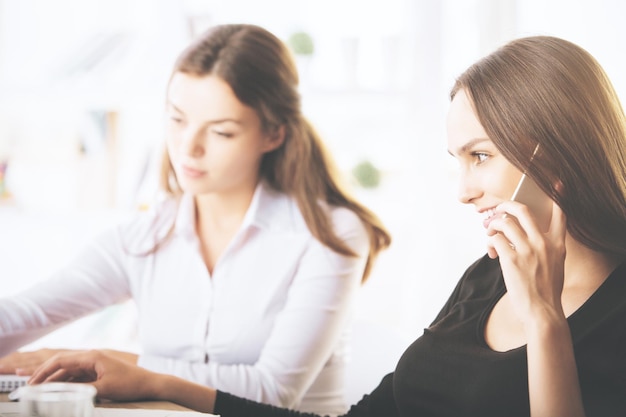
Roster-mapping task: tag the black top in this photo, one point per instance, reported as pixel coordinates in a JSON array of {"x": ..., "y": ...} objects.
[{"x": 451, "y": 371}]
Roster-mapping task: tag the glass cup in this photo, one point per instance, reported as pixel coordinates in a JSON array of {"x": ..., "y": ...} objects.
[{"x": 57, "y": 399}]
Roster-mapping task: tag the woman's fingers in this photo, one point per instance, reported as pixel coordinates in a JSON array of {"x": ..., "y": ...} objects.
[
  {"x": 558, "y": 224},
  {"x": 64, "y": 366},
  {"x": 96, "y": 368},
  {"x": 24, "y": 363},
  {"x": 499, "y": 244}
]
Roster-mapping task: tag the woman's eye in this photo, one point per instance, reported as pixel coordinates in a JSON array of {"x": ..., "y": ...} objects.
[
  {"x": 176, "y": 119},
  {"x": 223, "y": 133},
  {"x": 480, "y": 157}
]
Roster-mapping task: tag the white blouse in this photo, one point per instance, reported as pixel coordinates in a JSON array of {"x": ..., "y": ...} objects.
[{"x": 269, "y": 324}]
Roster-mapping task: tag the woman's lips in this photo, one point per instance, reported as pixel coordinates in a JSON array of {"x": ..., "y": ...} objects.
[
  {"x": 192, "y": 172},
  {"x": 490, "y": 215}
]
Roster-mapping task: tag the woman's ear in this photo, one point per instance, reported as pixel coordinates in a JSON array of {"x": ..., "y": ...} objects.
[
  {"x": 559, "y": 187},
  {"x": 274, "y": 139}
]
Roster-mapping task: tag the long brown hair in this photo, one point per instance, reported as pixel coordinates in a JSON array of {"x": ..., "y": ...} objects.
[
  {"x": 548, "y": 91},
  {"x": 261, "y": 71}
]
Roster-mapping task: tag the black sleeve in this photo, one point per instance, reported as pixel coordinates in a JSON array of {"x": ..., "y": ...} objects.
[{"x": 380, "y": 403}]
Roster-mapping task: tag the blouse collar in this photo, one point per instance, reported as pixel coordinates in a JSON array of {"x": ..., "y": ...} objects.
[{"x": 269, "y": 209}]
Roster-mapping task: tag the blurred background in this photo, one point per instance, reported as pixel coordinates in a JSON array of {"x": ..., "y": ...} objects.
[{"x": 82, "y": 86}]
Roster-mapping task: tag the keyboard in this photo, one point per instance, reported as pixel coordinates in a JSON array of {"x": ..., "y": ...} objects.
[{"x": 9, "y": 383}]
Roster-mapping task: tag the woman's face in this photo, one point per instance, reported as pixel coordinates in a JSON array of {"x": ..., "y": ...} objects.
[
  {"x": 486, "y": 177},
  {"x": 214, "y": 141}
]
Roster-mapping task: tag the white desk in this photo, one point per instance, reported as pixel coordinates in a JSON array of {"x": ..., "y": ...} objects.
[{"x": 126, "y": 409}]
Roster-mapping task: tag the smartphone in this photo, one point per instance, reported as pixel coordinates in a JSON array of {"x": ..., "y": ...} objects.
[{"x": 538, "y": 202}]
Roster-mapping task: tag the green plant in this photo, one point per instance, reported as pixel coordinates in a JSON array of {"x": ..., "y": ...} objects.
[
  {"x": 301, "y": 43},
  {"x": 366, "y": 174}
]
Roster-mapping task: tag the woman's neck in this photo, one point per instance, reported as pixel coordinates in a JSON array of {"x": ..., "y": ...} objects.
[
  {"x": 223, "y": 211},
  {"x": 585, "y": 270}
]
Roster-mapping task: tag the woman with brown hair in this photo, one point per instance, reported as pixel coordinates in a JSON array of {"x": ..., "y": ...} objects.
[
  {"x": 244, "y": 275},
  {"x": 535, "y": 327}
]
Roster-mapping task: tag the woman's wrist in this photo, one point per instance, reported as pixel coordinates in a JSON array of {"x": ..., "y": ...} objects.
[
  {"x": 189, "y": 394},
  {"x": 546, "y": 320},
  {"x": 159, "y": 387}
]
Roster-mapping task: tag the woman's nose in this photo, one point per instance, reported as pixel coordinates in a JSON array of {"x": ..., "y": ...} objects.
[
  {"x": 467, "y": 189},
  {"x": 192, "y": 144}
]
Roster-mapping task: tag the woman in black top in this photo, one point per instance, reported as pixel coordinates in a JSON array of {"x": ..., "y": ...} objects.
[{"x": 537, "y": 326}]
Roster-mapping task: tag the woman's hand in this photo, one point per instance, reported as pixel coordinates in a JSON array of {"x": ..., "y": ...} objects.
[
  {"x": 25, "y": 363},
  {"x": 533, "y": 267},
  {"x": 118, "y": 380},
  {"x": 115, "y": 379},
  {"x": 532, "y": 262}
]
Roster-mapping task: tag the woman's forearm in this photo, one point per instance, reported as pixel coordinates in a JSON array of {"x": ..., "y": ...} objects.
[
  {"x": 183, "y": 392},
  {"x": 554, "y": 389}
]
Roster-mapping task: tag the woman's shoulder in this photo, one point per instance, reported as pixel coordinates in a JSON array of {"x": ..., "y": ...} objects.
[
  {"x": 281, "y": 210},
  {"x": 148, "y": 215},
  {"x": 482, "y": 276},
  {"x": 148, "y": 224},
  {"x": 483, "y": 265},
  {"x": 344, "y": 218}
]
